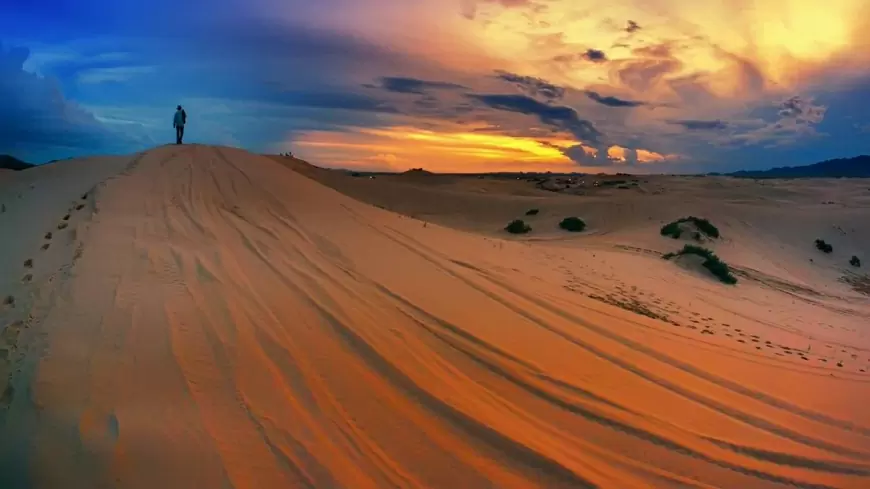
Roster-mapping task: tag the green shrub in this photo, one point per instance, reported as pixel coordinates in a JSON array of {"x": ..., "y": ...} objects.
[
  {"x": 821, "y": 245},
  {"x": 703, "y": 225},
  {"x": 712, "y": 262},
  {"x": 855, "y": 261},
  {"x": 533, "y": 212},
  {"x": 612, "y": 183},
  {"x": 573, "y": 224},
  {"x": 673, "y": 230},
  {"x": 518, "y": 227}
]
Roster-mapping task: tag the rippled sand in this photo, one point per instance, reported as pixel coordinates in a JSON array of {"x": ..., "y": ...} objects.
[{"x": 213, "y": 319}]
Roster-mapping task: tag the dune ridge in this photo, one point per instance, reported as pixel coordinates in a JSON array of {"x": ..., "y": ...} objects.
[{"x": 224, "y": 321}]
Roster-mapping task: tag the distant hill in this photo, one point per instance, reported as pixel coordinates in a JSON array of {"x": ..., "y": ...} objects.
[
  {"x": 857, "y": 167},
  {"x": 11, "y": 163}
]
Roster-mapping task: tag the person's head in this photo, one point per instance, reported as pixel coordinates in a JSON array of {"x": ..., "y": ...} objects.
[{"x": 178, "y": 108}]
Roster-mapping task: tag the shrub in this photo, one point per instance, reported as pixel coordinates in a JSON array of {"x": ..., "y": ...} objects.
[
  {"x": 673, "y": 229},
  {"x": 855, "y": 261},
  {"x": 518, "y": 227},
  {"x": 612, "y": 183},
  {"x": 573, "y": 224},
  {"x": 711, "y": 262},
  {"x": 821, "y": 245},
  {"x": 533, "y": 212},
  {"x": 705, "y": 227}
]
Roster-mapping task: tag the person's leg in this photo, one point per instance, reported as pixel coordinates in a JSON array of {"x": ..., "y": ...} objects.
[
  {"x": 181, "y": 134},
  {"x": 177, "y": 134}
]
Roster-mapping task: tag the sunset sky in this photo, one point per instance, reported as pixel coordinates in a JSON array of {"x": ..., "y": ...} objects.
[{"x": 449, "y": 85}]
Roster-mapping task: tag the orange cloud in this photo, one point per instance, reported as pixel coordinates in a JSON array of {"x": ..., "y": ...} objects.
[{"x": 783, "y": 40}]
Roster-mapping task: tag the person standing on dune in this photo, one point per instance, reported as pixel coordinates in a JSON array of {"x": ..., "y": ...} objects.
[{"x": 178, "y": 123}]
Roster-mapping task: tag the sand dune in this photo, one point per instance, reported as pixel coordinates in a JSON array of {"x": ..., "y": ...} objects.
[{"x": 212, "y": 318}]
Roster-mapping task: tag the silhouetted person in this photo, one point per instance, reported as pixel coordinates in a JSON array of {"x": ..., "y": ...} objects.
[{"x": 178, "y": 123}]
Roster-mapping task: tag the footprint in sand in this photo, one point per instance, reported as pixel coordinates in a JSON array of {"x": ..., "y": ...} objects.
[
  {"x": 10, "y": 333},
  {"x": 62, "y": 225},
  {"x": 9, "y": 301},
  {"x": 8, "y": 395},
  {"x": 99, "y": 429},
  {"x": 66, "y": 217},
  {"x": 27, "y": 279},
  {"x": 48, "y": 235},
  {"x": 45, "y": 246},
  {"x": 28, "y": 263},
  {"x": 80, "y": 207}
]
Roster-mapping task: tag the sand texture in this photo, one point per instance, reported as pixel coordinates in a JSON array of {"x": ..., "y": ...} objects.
[{"x": 208, "y": 318}]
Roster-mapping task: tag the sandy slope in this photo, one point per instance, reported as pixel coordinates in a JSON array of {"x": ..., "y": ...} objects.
[{"x": 225, "y": 322}]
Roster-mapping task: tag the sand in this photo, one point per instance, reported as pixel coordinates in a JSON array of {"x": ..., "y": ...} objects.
[{"x": 213, "y": 318}]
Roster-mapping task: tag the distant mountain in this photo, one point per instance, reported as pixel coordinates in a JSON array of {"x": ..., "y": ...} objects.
[
  {"x": 11, "y": 163},
  {"x": 857, "y": 167}
]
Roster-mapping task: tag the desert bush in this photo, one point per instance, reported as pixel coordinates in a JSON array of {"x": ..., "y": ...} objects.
[
  {"x": 673, "y": 229},
  {"x": 532, "y": 212},
  {"x": 573, "y": 224},
  {"x": 821, "y": 245},
  {"x": 855, "y": 261},
  {"x": 712, "y": 262},
  {"x": 518, "y": 227},
  {"x": 612, "y": 183}
]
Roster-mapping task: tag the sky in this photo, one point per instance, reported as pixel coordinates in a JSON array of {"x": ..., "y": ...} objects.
[{"x": 640, "y": 86}]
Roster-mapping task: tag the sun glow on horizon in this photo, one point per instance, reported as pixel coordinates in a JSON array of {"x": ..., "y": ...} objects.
[{"x": 403, "y": 147}]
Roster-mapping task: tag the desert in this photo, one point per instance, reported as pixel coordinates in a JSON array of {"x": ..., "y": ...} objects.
[{"x": 202, "y": 316}]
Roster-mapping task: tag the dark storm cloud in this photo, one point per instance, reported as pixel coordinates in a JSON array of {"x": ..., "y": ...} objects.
[
  {"x": 612, "y": 101},
  {"x": 533, "y": 86},
  {"x": 556, "y": 116},
  {"x": 699, "y": 125},
  {"x": 414, "y": 85},
  {"x": 595, "y": 55},
  {"x": 334, "y": 100},
  {"x": 802, "y": 110},
  {"x": 35, "y": 113}
]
